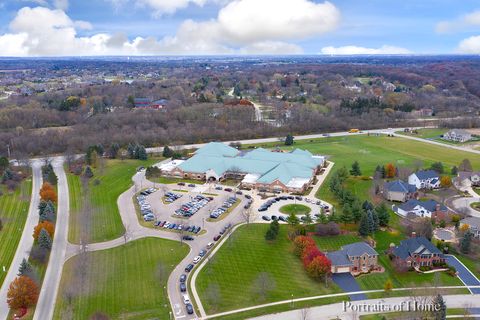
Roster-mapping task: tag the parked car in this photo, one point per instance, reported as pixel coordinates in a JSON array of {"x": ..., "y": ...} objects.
[
  {"x": 191, "y": 185},
  {"x": 266, "y": 218},
  {"x": 210, "y": 245},
  {"x": 183, "y": 278},
  {"x": 189, "y": 308},
  {"x": 274, "y": 217},
  {"x": 248, "y": 196},
  {"x": 218, "y": 188},
  {"x": 197, "y": 259},
  {"x": 202, "y": 253},
  {"x": 217, "y": 237},
  {"x": 282, "y": 218},
  {"x": 186, "y": 299},
  {"x": 188, "y": 238},
  {"x": 228, "y": 189},
  {"x": 183, "y": 287},
  {"x": 189, "y": 268},
  {"x": 181, "y": 183}
]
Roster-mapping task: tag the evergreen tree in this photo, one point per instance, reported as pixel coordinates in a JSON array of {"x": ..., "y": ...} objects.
[
  {"x": 131, "y": 151},
  {"x": 25, "y": 268},
  {"x": 357, "y": 210},
  {"x": 275, "y": 226},
  {"x": 454, "y": 171},
  {"x": 367, "y": 205},
  {"x": 142, "y": 153},
  {"x": 88, "y": 172},
  {"x": 289, "y": 140},
  {"x": 292, "y": 219},
  {"x": 347, "y": 215},
  {"x": 382, "y": 172},
  {"x": 465, "y": 166},
  {"x": 167, "y": 152},
  {"x": 236, "y": 90},
  {"x": 383, "y": 215},
  {"x": 441, "y": 311},
  {"x": 363, "y": 228},
  {"x": 44, "y": 240},
  {"x": 466, "y": 241},
  {"x": 270, "y": 235},
  {"x": 114, "y": 148},
  {"x": 437, "y": 166},
  {"x": 376, "y": 221},
  {"x": 323, "y": 217},
  {"x": 355, "y": 171},
  {"x": 308, "y": 218}
]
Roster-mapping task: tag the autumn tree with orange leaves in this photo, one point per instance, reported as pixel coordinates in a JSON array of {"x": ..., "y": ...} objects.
[
  {"x": 48, "y": 193},
  {"x": 319, "y": 268},
  {"x": 22, "y": 293},
  {"x": 390, "y": 170},
  {"x": 47, "y": 225}
]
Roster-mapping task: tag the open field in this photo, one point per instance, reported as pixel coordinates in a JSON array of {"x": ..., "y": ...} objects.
[
  {"x": 168, "y": 180},
  {"x": 236, "y": 266},
  {"x": 13, "y": 213},
  {"x": 126, "y": 282},
  {"x": 105, "y": 222},
  {"x": 299, "y": 209},
  {"x": 332, "y": 243},
  {"x": 427, "y": 133}
]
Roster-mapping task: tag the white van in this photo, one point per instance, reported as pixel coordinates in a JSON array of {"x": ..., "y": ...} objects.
[{"x": 186, "y": 299}]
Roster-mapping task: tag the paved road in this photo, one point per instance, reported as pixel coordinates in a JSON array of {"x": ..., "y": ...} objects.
[
  {"x": 26, "y": 241},
  {"x": 51, "y": 282},
  {"x": 348, "y": 283},
  {"x": 336, "y": 310},
  {"x": 467, "y": 277}
]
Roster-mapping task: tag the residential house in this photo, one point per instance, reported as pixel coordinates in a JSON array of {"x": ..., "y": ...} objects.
[
  {"x": 399, "y": 191},
  {"x": 417, "y": 252},
  {"x": 355, "y": 258},
  {"x": 145, "y": 103},
  {"x": 424, "y": 209},
  {"x": 457, "y": 135},
  {"x": 473, "y": 224},
  {"x": 468, "y": 179},
  {"x": 425, "y": 179}
]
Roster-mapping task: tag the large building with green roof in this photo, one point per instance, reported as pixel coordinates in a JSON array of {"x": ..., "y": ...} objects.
[{"x": 258, "y": 168}]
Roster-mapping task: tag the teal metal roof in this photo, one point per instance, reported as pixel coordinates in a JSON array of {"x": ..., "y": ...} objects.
[
  {"x": 269, "y": 165},
  {"x": 217, "y": 149}
]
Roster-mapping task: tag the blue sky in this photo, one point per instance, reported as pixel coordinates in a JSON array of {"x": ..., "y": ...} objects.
[{"x": 340, "y": 26}]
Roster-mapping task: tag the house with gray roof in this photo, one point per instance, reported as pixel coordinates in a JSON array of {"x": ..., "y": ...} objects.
[
  {"x": 473, "y": 224},
  {"x": 417, "y": 252},
  {"x": 425, "y": 179},
  {"x": 468, "y": 179},
  {"x": 457, "y": 135},
  {"x": 259, "y": 168},
  {"x": 424, "y": 209},
  {"x": 355, "y": 258},
  {"x": 399, "y": 190}
]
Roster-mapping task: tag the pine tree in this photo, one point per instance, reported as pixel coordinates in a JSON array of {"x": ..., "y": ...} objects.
[
  {"x": 323, "y": 217},
  {"x": 167, "y": 152},
  {"x": 441, "y": 308},
  {"x": 88, "y": 172},
  {"x": 25, "y": 268},
  {"x": 454, "y": 171},
  {"x": 308, "y": 218},
  {"x": 270, "y": 235},
  {"x": 466, "y": 241},
  {"x": 275, "y": 226},
  {"x": 289, "y": 140},
  {"x": 347, "y": 215},
  {"x": 292, "y": 219},
  {"x": 383, "y": 215},
  {"x": 44, "y": 240},
  {"x": 142, "y": 153},
  {"x": 363, "y": 228},
  {"x": 382, "y": 172},
  {"x": 355, "y": 171},
  {"x": 376, "y": 221},
  {"x": 357, "y": 210},
  {"x": 131, "y": 151}
]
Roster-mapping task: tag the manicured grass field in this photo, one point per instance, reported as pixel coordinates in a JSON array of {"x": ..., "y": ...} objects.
[
  {"x": 475, "y": 205},
  {"x": 428, "y": 133},
  {"x": 168, "y": 180},
  {"x": 407, "y": 279},
  {"x": 13, "y": 213},
  {"x": 105, "y": 222},
  {"x": 238, "y": 263},
  {"x": 122, "y": 282},
  {"x": 299, "y": 209},
  {"x": 332, "y": 243}
]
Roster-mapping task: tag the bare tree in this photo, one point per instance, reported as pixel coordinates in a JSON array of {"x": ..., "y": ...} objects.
[{"x": 263, "y": 285}]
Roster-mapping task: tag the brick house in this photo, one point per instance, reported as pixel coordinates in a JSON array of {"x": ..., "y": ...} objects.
[
  {"x": 417, "y": 252},
  {"x": 355, "y": 258},
  {"x": 399, "y": 191}
]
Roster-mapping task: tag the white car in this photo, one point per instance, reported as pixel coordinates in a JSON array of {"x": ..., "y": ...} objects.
[
  {"x": 186, "y": 299},
  {"x": 197, "y": 259}
]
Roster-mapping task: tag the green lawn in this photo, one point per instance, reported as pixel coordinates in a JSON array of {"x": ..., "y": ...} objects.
[
  {"x": 299, "y": 209},
  {"x": 123, "y": 282},
  {"x": 405, "y": 280},
  {"x": 236, "y": 266},
  {"x": 428, "y": 133},
  {"x": 168, "y": 180},
  {"x": 13, "y": 213},
  {"x": 332, "y": 243},
  {"x": 105, "y": 222},
  {"x": 475, "y": 205}
]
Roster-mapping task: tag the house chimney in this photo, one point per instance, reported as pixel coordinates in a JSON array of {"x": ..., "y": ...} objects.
[{"x": 414, "y": 234}]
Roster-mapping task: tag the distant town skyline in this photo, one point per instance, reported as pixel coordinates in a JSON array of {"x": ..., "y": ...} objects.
[{"x": 198, "y": 27}]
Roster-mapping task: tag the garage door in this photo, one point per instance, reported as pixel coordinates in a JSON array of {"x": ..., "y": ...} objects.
[{"x": 343, "y": 269}]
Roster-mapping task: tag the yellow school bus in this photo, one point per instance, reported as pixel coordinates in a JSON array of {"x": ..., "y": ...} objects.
[{"x": 353, "y": 131}]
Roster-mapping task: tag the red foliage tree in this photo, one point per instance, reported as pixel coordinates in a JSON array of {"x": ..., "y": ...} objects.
[
  {"x": 300, "y": 243},
  {"x": 320, "y": 267},
  {"x": 47, "y": 225},
  {"x": 390, "y": 170},
  {"x": 48, "y": 193},
  {"x": 310, "y": 253},
  {"x": 22, "y": 293}
]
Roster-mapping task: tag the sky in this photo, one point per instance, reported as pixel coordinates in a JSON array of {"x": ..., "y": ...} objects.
[{"x": 238, "y": 27}]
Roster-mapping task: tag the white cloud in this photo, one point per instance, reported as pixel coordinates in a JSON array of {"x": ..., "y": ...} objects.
[
  {"x": 351, "y": 50},
  {"x": 168, "y": 6},
  {"x": 267, "y": 25},
  {"x": 460, "y": 23},
  {"x": 61, "y": 4},
  {"x": 470, "y": 45},
  {"x": 246, "y": 21}
]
